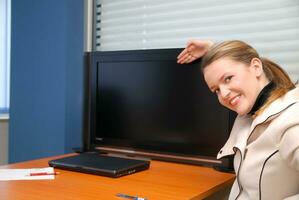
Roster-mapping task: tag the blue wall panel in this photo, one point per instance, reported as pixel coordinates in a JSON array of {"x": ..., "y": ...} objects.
[
  {"x": 74, "y": 76},
  {"x": 46, "y": 78}
]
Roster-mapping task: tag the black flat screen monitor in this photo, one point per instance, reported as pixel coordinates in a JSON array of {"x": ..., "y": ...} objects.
[{"x": 142, "y": 102}]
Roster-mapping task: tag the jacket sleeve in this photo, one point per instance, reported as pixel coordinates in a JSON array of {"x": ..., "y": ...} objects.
[
  {"x": 289, "y": 147},
  {"x": 289, "y": 151}
]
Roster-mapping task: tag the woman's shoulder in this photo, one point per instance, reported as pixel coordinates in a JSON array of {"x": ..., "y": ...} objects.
[
  {"x": 284, "y": 108},
  {"x": 288, "y": 113},
  {"x": 294, "y": 93},
  {"x": 288, "y": 102},
  {"x": 291, "y": 101}
]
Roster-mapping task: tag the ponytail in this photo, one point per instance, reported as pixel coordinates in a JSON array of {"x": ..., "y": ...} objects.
[
  {"x": 280, "y": 78},
  {"x": 276, "y": 74}
]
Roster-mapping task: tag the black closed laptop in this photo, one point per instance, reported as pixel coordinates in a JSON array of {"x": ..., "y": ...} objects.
[{"x": 103, "y": 165}]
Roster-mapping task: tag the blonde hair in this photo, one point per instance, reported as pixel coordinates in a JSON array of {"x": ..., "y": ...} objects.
[{"x": 242, "y": 52}]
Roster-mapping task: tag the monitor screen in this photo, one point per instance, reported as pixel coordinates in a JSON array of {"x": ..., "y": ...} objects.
[{"x": 145, "y": 101}]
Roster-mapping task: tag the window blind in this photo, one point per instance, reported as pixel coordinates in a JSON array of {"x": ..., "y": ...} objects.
[
  {"x": 271, "y": 26},
  {"x": 4, "y": 54}
]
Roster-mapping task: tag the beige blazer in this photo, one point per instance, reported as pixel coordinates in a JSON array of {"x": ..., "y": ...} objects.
[{"x": 266, "y": 151}]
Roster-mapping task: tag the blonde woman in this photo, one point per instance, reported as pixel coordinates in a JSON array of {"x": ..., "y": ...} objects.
[{"x": 265, "y": 135}]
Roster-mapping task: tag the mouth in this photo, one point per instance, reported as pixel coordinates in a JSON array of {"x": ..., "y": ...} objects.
[{"x": 235, "y": 100}]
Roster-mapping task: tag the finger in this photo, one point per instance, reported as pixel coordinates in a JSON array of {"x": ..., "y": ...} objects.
[
  {"x": 184, "y": 58},
  {"x": 189, "y": 59},
  {"x": 185, "y": 51},
  {"x": 192, "y": 59},
  {"x": 189, "y": 47}
]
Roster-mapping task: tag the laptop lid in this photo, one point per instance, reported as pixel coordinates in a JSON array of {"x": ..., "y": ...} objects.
[{"x": 103, "y": 165}]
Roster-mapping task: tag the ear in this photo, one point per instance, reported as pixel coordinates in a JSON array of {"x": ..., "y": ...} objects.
[{"x": 257, "y": 66}]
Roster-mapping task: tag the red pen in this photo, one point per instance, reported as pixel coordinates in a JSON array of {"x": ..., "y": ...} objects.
[{"x": 43, "y": 173}]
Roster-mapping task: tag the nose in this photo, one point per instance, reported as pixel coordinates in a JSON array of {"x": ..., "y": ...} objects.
[{"x": 224, "y": 92}]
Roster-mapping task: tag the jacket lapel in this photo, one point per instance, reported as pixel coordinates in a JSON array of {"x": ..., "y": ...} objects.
[{"x": 238, "y": 136}]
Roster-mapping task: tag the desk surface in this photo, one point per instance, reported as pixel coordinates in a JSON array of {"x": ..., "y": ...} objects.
[{"x": 164, "y": 180}]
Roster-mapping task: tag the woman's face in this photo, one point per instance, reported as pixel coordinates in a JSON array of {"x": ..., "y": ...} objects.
[{"x": 236, "y": 84}]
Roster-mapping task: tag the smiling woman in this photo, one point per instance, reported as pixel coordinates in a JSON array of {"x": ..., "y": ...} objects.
[
  {"x": 264, "y": 139},
  {"x": 4, "y": 55}
]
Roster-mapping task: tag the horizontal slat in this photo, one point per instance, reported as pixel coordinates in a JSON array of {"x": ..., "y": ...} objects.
[
  {"x": 114, "y": 7},
  {"x": 158, "y": 21},
  {"x": 271, "y": 26},
  {"x": 289, "y": 34}
]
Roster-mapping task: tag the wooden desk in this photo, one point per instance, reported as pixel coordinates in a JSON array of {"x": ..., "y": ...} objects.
[{"x": 164, "y": 180}]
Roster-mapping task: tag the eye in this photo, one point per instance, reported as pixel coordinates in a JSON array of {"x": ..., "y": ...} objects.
[
  {"x": 216, "y": 91},
  {"x": 227, "y": 79}
]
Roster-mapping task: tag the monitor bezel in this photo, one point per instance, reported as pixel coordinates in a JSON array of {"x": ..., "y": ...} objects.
[{"x": 91, "y": 81}]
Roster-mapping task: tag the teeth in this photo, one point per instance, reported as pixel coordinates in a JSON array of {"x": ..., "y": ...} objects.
[{"x": 235, "y": 100}]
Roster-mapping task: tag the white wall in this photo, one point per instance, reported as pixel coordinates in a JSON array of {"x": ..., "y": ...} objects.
[{"x": 3, "y": 141}]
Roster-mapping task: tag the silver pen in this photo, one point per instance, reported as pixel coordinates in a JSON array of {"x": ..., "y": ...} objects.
[{"x": 130, "y": 196}]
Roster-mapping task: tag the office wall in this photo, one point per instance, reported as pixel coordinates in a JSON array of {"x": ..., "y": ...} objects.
[{"x": 46, "y": 78}]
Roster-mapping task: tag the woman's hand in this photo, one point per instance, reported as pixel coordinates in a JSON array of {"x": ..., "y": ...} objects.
[{"x": 194, "y": 50}]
